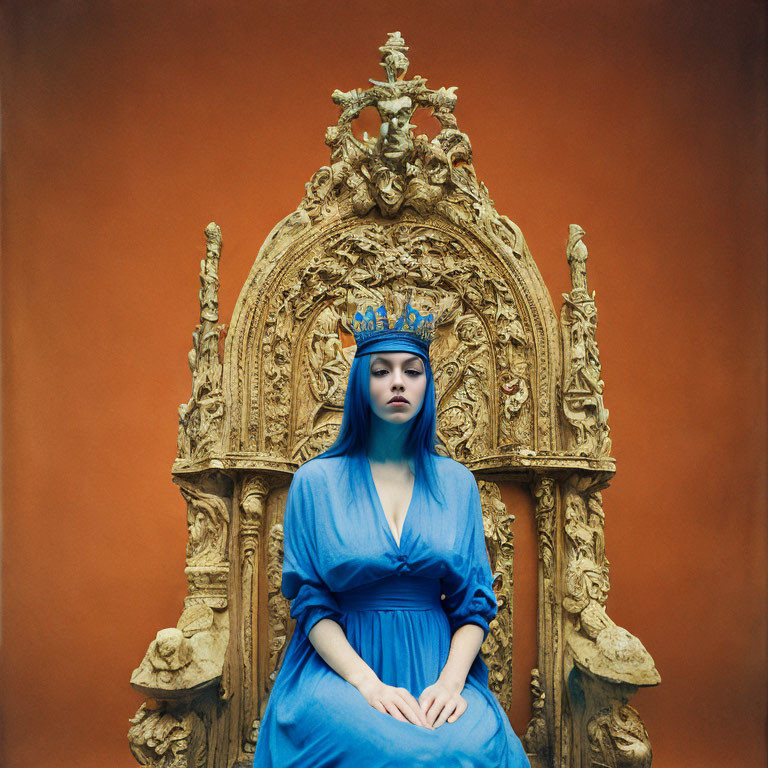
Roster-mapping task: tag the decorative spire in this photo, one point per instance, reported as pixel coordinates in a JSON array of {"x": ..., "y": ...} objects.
[
  {"x": 393, "y": 58},
  {"x": 576, "y": 253}
]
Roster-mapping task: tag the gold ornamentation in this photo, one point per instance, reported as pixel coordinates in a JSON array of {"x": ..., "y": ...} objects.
[
  {"x": 598, "y": 644},
  {"x": 207, "y": 562},
  {"x": 535, "y": 740},
  {"x": 162, "y": 739},
  {"x": 618, "y": 739},
  {"x": 390, "y": 264},
  {"x": 540, "y": 743},
  {"x": 499, "y": 539},
  {"x": 582, "y": 385},
  {"x": 278, "y": 607},
  {"x": 253, "y": 497},
  {"x": 201, "y": 419}
]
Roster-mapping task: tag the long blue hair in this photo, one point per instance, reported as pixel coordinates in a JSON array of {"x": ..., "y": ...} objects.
[{"x": 352, "y": 440}]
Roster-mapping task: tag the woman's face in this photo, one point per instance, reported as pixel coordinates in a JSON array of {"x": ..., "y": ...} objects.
[{"x": 397, "y": 385}]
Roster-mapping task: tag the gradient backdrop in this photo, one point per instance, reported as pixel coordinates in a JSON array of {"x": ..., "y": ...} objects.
[{"x": 128, "y": 126}]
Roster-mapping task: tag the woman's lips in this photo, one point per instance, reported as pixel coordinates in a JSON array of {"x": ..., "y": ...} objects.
[{"x": 398, "y": 401}]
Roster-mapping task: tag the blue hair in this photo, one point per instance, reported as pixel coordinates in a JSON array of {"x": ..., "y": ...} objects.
[{"x": 352, "y": 440}]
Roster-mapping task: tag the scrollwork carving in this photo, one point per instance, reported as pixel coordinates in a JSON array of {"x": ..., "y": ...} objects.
[
  {"x": 278, "y": 607},
  {"x": 599, "y": 646},
  {"x": 208, "y": 520},
  {"x": 201, "y": 419},
  {"x": 497, "y": 648},
  {"x": 165, "y": 739},
  {"x": 207, "y": 524},
  {"x": 476, "y": 415},
  {"x": 544, "y": 496},
  {"x": 253, "y": 496},
  {"x": 582, "y": 394},
  {"x": 535, "y": 740},
  {"x": 618, "y": 739},
  {"x": 544, "y": 677},
  {"x": 397, "y": 170}
]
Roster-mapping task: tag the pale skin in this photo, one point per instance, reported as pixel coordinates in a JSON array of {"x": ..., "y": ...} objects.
[{"x": 398, "y": 375}]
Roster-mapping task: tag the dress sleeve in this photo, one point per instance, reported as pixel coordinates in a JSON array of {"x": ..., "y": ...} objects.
[
  {"x": 469, "y": 595},
  {"x": 310, "y": 596}
]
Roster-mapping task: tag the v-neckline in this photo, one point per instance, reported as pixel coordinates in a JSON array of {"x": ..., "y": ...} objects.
[{"x": 380, "y": 506}]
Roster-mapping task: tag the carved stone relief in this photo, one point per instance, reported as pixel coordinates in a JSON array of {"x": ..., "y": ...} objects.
[
  {"x": 499, "y": 539},
  {"x": 535, "y": 741},
  {"x": 582, "y": 384},
  {"x": 322, "y": 376},
  {"x": 161, "y": 739},
  {"x": 599, "y": 645},
  {"x": 182, "y": 658},
  {"x": 538, "y": 740},
  {"x": 395, "y": 169},
  {"x": 610, "y": 663},
  {"x": 183, "y": 661},
  {"x": 278, "y": 607},
  {"x": 475, "y": 416},
  {"x": 429, "y": 225},
  {"x": 207, "y": 568},
  {"x": 252, "y": 502},
  {"x": 201, "y": 419},
  {"x": 618, "y": 739},
  {"x": 279, "y": 624}
]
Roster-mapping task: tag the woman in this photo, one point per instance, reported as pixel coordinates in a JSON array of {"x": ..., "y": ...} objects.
[{"x": 385, "y": 563}]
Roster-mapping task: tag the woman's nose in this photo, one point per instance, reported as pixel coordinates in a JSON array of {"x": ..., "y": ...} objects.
[{"x": 398, "y": 382}]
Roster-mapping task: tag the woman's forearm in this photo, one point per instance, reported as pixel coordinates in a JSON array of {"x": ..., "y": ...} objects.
[
  {"x": 329, "y": 640},
  {"x": 465, "y": 644}
]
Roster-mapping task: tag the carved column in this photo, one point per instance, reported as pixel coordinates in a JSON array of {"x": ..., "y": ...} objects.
[
  {"x": 253, "y": 497},
  {"x": 539, "y": 737}
]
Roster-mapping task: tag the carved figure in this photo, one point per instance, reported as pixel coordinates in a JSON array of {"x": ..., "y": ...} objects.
[
  {"x": 497, "y": 648},
  {"x": 618, "y": 738},
  {"x": 582, "y": 386},
  {"x": 162, "y": 740}
]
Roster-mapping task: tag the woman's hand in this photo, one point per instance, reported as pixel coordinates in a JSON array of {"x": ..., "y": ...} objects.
[
  {"x": 442, "y": 702},
  {"x": 389, "y": 700}
]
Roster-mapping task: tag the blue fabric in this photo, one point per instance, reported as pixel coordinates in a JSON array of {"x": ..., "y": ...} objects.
[
  {"x": 392, "y": 341},
  {"x": 398, "y": 606}
]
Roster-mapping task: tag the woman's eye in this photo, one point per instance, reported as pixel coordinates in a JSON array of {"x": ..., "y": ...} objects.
[
  {"x": 380, "y": 372},
  {"x": 414, "y": 372}
]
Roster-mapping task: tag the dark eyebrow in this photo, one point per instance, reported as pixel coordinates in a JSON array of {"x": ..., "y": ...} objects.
[{"x": 405, "y": 362}]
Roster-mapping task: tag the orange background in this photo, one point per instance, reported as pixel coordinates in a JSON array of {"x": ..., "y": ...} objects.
[{"x": 128, "y": 126}]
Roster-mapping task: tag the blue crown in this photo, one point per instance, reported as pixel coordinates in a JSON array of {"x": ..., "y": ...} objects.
[{"x": 411, "y": 330}]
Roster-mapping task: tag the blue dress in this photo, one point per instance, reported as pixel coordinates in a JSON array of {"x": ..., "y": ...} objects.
[{"x": 343, "y": 563}]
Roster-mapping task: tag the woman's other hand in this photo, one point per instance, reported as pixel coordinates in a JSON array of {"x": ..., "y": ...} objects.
[
  {"x": 440, "y": 703},
  {"x": 397, "y": 702}
]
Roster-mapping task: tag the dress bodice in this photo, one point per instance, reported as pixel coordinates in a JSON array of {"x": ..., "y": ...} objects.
[{"x": 338, "y": 539}]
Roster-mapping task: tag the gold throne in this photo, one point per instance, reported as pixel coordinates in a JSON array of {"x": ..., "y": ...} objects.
[{"x": 519, "y": 397}]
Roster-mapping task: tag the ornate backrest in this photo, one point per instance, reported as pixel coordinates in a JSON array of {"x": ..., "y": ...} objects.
[{"x": 519, "y": 397}]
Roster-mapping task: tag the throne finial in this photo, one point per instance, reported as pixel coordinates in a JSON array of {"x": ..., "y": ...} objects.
[{"x": 393, "y": 57}]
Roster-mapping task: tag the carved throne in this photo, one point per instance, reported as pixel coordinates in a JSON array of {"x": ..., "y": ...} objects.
[{"x": 520, "y": 397}]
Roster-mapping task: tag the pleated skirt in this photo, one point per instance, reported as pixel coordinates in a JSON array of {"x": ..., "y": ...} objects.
[{"x": 315, "y": 719}]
